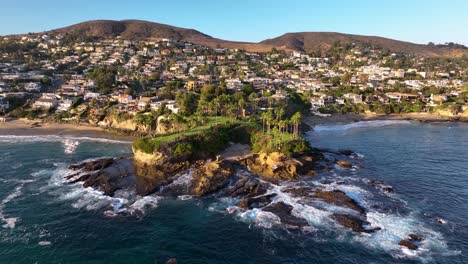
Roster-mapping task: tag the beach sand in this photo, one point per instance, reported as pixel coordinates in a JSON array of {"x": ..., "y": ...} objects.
[
  {"x": 24, "y": 127},
  {"x": 350, "y": 118}
]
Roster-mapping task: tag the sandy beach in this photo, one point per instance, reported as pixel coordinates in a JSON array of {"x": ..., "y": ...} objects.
[
  {"x": 350, "y": 118},
  {"x": 24, "y": 127}
]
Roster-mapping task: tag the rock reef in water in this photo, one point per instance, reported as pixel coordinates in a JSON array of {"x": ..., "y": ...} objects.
[{"x": 148, "y": 173}]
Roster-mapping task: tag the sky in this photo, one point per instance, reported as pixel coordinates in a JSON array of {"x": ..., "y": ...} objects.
[{"x": 419, "y": 21}]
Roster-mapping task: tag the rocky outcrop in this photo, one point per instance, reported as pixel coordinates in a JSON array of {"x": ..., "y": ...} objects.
[
  {"x": 247, "y": 187},
  {"x": 354, "y": 223},
  {"x": 339, "y": 198},
  {"x": 257, "y": 202},
  {"x": 283, "y": 211},
  {"x": 211, "y": 177},
  {"x": 158, "y": 169},
  {"x": 278, "y": 166},
  {"x": 415, "y": 237},
  {"x": 344, "y": 164},
  {"x": 408, "y": 244},
  {"x": 107, "y": 174}
]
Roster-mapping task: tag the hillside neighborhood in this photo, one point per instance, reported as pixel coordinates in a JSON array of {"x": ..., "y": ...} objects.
[{"x": 106, "y": 82}]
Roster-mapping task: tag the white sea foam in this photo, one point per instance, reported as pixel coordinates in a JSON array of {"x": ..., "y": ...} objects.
[
  {"x": 44, "y": 243},
  {"x": 10, "y": 222},
  {"x": 70, "y": 145},
  {"x": 360, "y": 124},
  {"x": 123, "y": 201},
  {"x": 55, "y": 138}
]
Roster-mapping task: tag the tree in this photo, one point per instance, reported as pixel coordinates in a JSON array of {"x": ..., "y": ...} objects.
[{"x": 296, "y": 121}]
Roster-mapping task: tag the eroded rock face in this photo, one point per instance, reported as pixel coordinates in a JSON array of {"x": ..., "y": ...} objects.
[
  {"x": 158, "y": 169},
  {"x": 339, "y": 198},
  {"x": 247, "y": 187},
  {"x": 354, "y": 223},
  {"x": 276, "y": 166},
  {"x": 211, "y": 177},
  {"x": 283, "y": 211},
  {"x": 256, "y": 202},
  {"x": 107, "y": 174}
]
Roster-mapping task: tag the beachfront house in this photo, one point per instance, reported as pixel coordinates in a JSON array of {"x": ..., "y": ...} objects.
[{"x": 45, "y": 103}]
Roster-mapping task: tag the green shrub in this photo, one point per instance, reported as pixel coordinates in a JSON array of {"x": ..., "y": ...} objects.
[{"x": 183, "y": 149}]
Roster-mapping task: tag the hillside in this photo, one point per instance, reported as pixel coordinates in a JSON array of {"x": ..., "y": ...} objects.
[
  {"x": 320, "y": 41},
  {"x": 144, "y": 30},
  {"x": 302, "y": 41}
]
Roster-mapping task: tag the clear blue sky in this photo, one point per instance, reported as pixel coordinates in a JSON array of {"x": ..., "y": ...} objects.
[{"x": 417, "y": 21}]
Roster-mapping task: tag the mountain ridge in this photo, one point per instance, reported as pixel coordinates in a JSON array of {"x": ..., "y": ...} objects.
[{"x": 300, "y": 41}]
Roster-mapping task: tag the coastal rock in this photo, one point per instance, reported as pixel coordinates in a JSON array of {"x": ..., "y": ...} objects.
[
  {"x": 276, "y": 166},
  {"x": 339, "y": 198},
  {"x": 283, "y": 211},
  {"x": 106, "y": 175},
  {"x": 388, "y": 189},
  {"x": 247, "y": 187},
  {"x": 211, "y": 177},
  {"x": 158, "y": 169},
  {"x": 256, "y": 202},
  {"x": 344, "y": 164},
  {"x": 300, "y": 191},
  {"x": 354, "y": 223},
  {"x": 92, "y": 165},
  {"x": 408, "y": 244},
  {"x": 415, "y": 237},
  {"x": 346, "y": 152},
  {"x": 375, "y": 182}
]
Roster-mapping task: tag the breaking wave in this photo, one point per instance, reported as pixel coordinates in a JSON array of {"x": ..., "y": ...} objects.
[
  {"x": 10, "y": 222},
  {"x": 394, "y": 226},
  {"x": 123, "y": 202},
  {"x": 360, "y": 124},
  {"x": 56, "y": 138}
]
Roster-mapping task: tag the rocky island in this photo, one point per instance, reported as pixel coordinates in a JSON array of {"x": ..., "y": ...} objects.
[{"x": 213, "y": 159}]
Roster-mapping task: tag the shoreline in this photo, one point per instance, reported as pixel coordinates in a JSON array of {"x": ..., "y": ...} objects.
[
  {"x": 24, "y": 127},
  {"x": 352, "y": 118}
]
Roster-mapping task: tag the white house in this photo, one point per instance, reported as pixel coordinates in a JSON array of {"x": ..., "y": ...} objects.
[
  {"x": 32, "y": 87},
  {"x": 43, "y": 103}
]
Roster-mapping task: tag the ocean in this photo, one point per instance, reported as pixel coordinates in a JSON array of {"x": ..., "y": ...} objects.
[{"x": 44, "y": 219}]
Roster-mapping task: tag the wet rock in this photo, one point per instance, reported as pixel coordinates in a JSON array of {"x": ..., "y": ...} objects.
[
  {"x": 211, "y": 177},
  {"x": 256, "y": 202},
  {"x": 346, "y": 152},
  {"x": 283, "y": 211},
  {"x": 375, "y": 182},
  {"x": 415, "y": 237},
  {"x": 107, "y": 175},
  {"x": 388, "y": 189},
  {"x": 408, "y": 244},
  {"x": 344, "y": 164},
  {"x": 354, "y": 223},
  {"x": 247, "y": 187},
  {"x": 92, "y": 165},
  {"x": 300, "y": 191},
  {"x": 339, "y": 198}
]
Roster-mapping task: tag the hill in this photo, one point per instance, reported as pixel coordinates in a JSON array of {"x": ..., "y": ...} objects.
[
  {"x": 320, "y": 41},
  {"x": 301, "y": 41}
]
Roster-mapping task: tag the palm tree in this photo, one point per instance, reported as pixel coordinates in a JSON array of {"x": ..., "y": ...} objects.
[
  {"x": 282, "y": 124},
  {"x": 269, "y": 119},
  {"x": 296, "y": 121},
  {"x": 263, "y": 116},
  {"x": 279, "y": 114}
]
